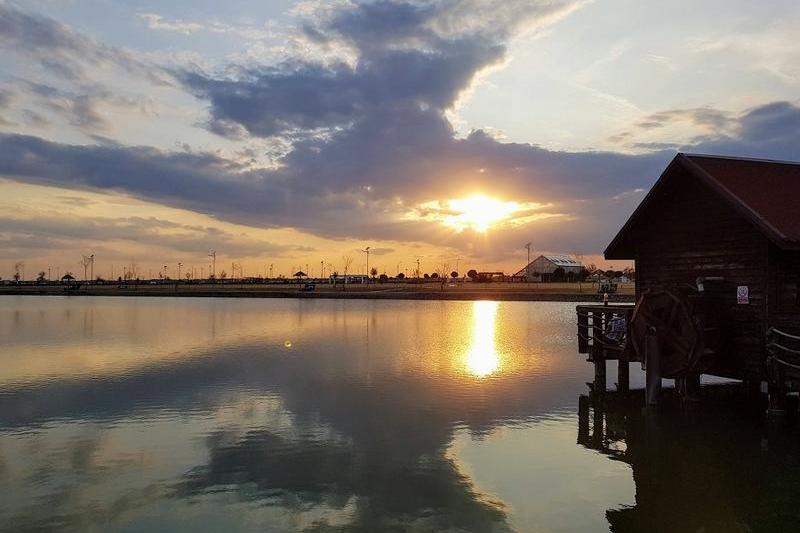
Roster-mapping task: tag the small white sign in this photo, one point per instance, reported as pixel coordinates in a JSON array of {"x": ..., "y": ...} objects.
[{"x": 742, "y": 294}]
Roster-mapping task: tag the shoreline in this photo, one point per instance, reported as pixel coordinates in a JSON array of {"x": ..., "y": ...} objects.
[{"x": 504, "y": 294}]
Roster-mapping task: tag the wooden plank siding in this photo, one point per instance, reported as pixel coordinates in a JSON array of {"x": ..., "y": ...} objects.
[
  {"x": 689, "y": 231},
  {"x": 784, "y": 294}
]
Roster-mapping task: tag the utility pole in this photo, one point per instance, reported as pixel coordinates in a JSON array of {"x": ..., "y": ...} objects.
[
  {"x": 528, "y": 264},
  {"x": 91, "y": 258},
  {"x": 322, "y": 269},
  {"x": 179, "y": 270},
  {"x": 366, "y": 251},
  {"x": 213, "y": 256},
  {"x": 418, "y": 267},
  {"x": 270, "y": 271}
]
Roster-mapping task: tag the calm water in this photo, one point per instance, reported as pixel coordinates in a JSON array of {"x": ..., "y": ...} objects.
[{"x": 124, "y": 414}]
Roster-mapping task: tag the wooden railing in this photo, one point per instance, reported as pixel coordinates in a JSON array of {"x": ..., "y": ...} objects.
[
  {"x": 593, "y": 341},
  {"x": 592, "y": 322}
]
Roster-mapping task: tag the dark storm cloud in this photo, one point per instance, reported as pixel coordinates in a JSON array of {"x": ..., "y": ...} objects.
[
  {"x": 62, "y": 50},
  {"x": 771, "y": 131}
]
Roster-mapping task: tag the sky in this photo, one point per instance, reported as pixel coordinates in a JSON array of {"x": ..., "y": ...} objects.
[{"x": 292, "y": 134}]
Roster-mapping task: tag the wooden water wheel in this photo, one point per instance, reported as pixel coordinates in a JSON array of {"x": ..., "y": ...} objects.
[{"x": 681, "y": 324}]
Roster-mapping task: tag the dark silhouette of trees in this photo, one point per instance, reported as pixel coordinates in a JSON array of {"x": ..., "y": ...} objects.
[
  {"x": 472, "y": 274},
  {"x": 401, "y": 276},
  {"x": 454, "y": 274}
]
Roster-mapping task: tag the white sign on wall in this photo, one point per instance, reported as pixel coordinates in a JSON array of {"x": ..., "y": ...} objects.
[{"x": 743, "y": 294}]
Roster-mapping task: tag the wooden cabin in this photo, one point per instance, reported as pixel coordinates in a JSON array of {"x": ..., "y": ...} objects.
[{"x": 728, "y": 230}]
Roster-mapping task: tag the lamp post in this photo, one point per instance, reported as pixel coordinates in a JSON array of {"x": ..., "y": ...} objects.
[
  {"x": 179, "y": 270},
  {"x": 213, "y": 256}
]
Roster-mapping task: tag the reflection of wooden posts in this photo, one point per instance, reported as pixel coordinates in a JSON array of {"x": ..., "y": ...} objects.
[
  {"x": 583, "y": 419},
  {"x": 652, "y": 366},
  {"x": 598, "y": 435}
]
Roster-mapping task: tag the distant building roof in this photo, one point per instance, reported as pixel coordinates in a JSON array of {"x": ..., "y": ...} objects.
[
  {"x": 563, "y": 261},
  {"x": 764, "y": 191}
]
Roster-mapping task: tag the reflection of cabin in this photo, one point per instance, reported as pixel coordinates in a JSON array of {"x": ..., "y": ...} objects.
[
  {"x": 714, "y": 471},
  {"x": 722, "y": 236},
  {"x": 542, "y": 268}
]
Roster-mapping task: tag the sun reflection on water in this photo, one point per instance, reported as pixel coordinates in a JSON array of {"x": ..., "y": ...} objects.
[{"x": 482, "y": 358}]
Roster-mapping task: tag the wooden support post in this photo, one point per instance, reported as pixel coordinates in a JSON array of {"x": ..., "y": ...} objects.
[
  {"x": 623, "y": 374},
  {"x": 599, "y": 370},
  {"x": 583, "y": 330},
  {"x": 689, "y": 387},
  {"x": 777, "y": 390},
  {"x": 652, "y": 352}
]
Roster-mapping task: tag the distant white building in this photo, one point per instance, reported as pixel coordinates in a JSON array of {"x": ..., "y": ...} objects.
[{"x": 545, "y": 265}]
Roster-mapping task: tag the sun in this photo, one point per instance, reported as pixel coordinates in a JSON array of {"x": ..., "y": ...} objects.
[{"x": 478, "y": 212}]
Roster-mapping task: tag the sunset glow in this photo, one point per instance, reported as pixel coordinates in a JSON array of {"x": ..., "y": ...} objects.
[
  {"x": 482, "y": 358},
  {"x": 479, "y": 213}
]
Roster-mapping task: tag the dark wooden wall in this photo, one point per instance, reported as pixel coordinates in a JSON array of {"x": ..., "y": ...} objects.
[
  {"x": 784, "y": 293},
  {"x": 689, "y": 231}
]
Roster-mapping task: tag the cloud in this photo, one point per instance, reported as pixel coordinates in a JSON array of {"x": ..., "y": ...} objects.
[
  {"x": 64, "y": 51},
  {"x": 706, "y": 117},
  {"x": 82, "y": 108},
  {"x": 186, "y": 27},
  {"x": 65, "y": 232},
  {"x": 770, "y": 130},
  {"x": 367, "y": 140}
]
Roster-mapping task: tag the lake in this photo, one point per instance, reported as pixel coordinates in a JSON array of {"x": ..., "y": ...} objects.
[{"x": 182, "y": 414}]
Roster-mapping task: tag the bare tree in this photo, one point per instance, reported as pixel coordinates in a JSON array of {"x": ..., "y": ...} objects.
[
  {"x": 347, "y": 261},
  {"x": 19, "y": 271},
  {"x": 85, "y": 262}
]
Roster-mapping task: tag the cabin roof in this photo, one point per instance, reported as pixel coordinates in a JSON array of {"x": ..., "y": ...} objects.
[{"x": 765, "y": 192}]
